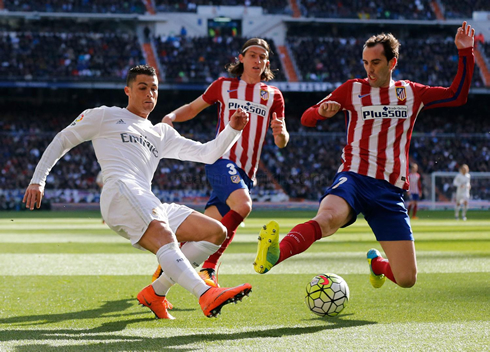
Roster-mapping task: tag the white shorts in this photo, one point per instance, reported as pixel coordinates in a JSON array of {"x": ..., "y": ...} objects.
[
  {"x": 460, "y": 198},
  {"x": 128, "y": 209}
]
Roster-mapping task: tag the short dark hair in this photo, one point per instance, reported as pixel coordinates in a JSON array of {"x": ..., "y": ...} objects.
[
  {"x": 389, "y": 42},
  {"x": 139, "y": 70},
  {"x": 236, "y": 68}
]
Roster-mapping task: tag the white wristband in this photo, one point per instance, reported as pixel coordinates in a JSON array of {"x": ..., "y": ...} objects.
[{"x": 172, "y": 116}]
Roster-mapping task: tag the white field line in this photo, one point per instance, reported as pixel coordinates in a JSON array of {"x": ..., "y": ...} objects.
[{"x": 145, "y": 264}]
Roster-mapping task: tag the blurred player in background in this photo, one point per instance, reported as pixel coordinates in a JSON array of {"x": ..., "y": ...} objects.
[
  {"x": 463, "y": 186},
  {"x": 414, "y": 190},
  {"x": 380, "y": 114},
  {"x": 128, "y": 148},
  {"x": 232, "y": 177}
]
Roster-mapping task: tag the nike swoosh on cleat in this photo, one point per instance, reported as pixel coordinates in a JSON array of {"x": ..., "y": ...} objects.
[
  {"x": 365, "y": 95},
  {"x": 149, "y": 304}
]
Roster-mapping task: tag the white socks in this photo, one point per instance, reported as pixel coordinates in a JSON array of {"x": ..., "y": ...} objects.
[{"x": 176, "y": 269}]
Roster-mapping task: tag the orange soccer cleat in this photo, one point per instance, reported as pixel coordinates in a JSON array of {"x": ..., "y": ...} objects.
[
  {"x": 158, "y": 304},
  {"x": 157, "y": 273},
  {"x": 215, "y": 298},
  {"x": 209, "y": 276}
]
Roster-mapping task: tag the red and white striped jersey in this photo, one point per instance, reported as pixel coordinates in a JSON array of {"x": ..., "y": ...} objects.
[
  {"x": 415, "y": 183},
  {"x": 260, "y": 101},
  {"x": 380, "y": 121}
]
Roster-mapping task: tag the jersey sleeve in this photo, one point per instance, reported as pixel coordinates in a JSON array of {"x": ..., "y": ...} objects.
[
  {"x": 457, "y": 93},
  {"x": 178, "y": 147},
  {"x": 311, "y": 116},
  {"x": 278, "y": 106},
  {"x": 212, "y": 93},
  {"x": 84, "y": 128}
]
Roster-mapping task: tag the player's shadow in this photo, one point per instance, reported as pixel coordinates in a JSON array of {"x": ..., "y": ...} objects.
[{"x": 103, "y": 337}]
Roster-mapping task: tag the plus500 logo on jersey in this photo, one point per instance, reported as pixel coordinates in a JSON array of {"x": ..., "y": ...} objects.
[
  {"x": 250, "y": 107},
  {"x": 385, "y": 112}
]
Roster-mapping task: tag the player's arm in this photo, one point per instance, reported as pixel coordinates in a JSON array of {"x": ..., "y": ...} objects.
[
  {"x": 327, "y": 107},
  {"x": 457, "y": 93},
  {"x": 178, "y": 147},
  {"x": 278, "y": 122},
  {"x": 80, "y": 130},
  {"x": 279, "y": 131},
  {"x": 186, "y": 112}
]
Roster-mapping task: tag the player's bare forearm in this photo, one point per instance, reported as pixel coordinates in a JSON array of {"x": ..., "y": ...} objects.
[{"x": 281, "y": 140}]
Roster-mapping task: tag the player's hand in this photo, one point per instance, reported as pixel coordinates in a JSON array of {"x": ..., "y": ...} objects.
[
  {"x": 328, "y": 109},
  {"x": 278, "y": 125},
  {"x": 33, "y": 196},
  {"x": 239, "y": 120},
  {"x": 168, "y": 120},
  {"x": 465, "y": 36}
]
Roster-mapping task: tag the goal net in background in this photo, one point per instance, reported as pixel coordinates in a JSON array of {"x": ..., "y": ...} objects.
[{"x": 443, "y": 193}]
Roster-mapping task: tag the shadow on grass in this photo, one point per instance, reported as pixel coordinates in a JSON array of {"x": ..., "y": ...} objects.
[{"x": 108, "y": 335}]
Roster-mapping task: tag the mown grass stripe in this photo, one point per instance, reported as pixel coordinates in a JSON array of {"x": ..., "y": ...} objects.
[{"x": 232, "y": 264}]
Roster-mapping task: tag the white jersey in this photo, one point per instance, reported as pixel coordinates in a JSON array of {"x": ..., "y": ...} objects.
[
  {"x": 462, "y": 183},
  {"x": 129, "y": 147}
]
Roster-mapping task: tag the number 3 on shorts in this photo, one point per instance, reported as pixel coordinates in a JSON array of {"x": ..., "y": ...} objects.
[{"x": 232, "y": 169}]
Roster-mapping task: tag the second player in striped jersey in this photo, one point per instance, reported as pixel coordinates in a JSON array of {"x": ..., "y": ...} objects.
[
  {"x": 380, "y": 114},
  {"x": 233, "y": 176}
]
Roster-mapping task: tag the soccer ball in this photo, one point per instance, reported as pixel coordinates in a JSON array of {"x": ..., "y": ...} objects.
[{"x": 327, "y": 294}]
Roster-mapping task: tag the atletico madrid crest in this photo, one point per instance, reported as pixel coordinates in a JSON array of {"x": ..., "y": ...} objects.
[
  {"x": 401, "y": 93},
  {"x": 264, "y": 94}
]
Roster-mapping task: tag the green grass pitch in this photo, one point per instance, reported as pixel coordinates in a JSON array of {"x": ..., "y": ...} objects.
[{"x": 67, "y": 283}]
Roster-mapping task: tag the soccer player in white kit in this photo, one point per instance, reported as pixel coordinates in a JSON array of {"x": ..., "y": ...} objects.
[
  {"x": 463, "y": 186},
  {"x": 380, "y": 114},
  {"x": 128, "y": 148},
  {"x": 232, "y": 177}
]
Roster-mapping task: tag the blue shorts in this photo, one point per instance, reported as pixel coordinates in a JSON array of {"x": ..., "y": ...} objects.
[
  {"x": 414, "y": 197},
  {"x": 380, "y": 202},
  {"x": 225, "y": 177}
]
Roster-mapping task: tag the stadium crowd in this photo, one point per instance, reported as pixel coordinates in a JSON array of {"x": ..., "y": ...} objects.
[
  {"x": 368, "y": 9},
  {"x": 83, "y": 6},
  {"x": 203, "y": 59},
  {"x": 269, "y": 6},
  {"x": 334, "y": 59},
  {"x": 78, "y": 54}
]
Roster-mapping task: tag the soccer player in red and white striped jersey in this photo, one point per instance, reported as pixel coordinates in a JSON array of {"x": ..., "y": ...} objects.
[
  {"x": 414, "y": 190},
  {"x": 380, "y": 114},
  {"x": 232, "y": 176}
]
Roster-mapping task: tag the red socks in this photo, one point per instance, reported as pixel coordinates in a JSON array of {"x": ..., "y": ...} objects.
[
  {"x": 299, "y": 239},
  {"x": 382, "y": 266},
  {"x": 231, "y": 221}
]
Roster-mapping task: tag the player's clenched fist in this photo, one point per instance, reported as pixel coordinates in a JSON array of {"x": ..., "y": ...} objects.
[
  {"x": 239, "y": 119},
  {"x": 328, "y": 108}
]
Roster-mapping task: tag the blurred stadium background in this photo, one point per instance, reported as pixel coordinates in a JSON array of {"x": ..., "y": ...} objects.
[{"x": 60, "y": 57}]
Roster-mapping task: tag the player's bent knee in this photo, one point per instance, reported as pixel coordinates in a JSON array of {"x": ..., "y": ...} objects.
[
  {"x": 407, "y": 280},
  {"x": 244, "y": 209},
  {"x": 217, "y": 233}
]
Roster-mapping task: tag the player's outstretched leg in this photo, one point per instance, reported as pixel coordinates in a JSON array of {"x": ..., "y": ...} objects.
[
  {"x": 209, "y": 276},
  {"x": 158, "y": 304},
  {"x": 215, "y": 298},
  {"x": 376, "y": 280},
  {"x": 268, "y": 248}
]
